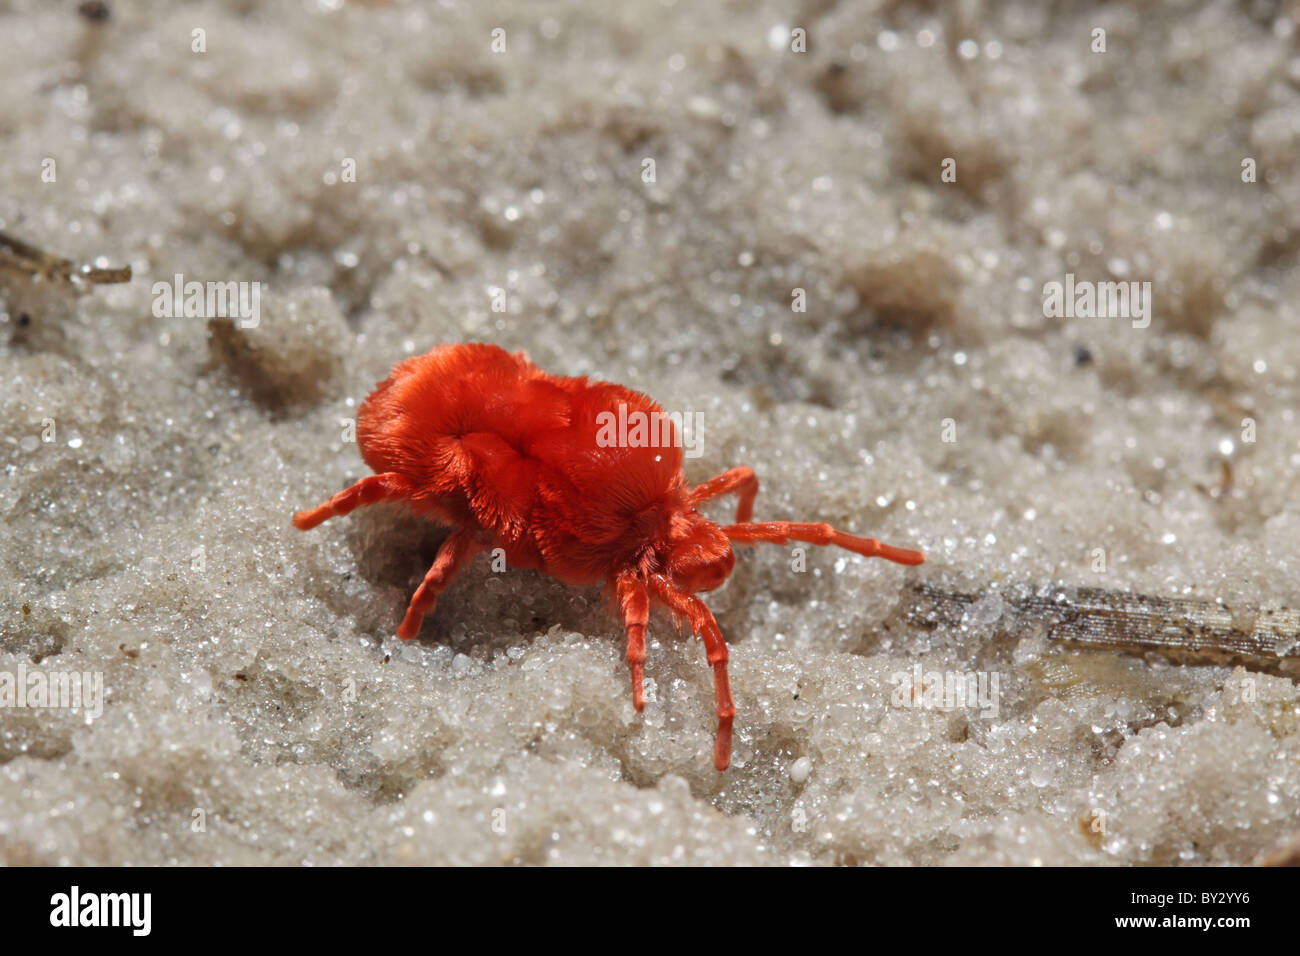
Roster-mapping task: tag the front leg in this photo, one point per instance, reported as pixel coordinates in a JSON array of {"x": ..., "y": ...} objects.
[
  {"x": 783, "y": 532},
  {"x": 634, "y": 601},
  {"x": 741, "y": 480},
  {"x": 686, "y": 605}
]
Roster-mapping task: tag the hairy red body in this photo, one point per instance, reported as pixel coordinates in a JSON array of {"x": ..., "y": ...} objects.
[{"x": 513, "y": 458}]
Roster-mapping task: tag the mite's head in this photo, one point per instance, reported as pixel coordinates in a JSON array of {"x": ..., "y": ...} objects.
[{"x": 699, "y": 555}]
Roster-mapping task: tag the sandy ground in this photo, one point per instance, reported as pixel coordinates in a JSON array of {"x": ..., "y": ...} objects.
[{"x": 394, "y": 182}]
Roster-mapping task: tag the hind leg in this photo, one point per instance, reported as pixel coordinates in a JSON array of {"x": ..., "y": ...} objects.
[
  {"x": 455, "y": 551},
  {"x": 368, "y": 491}
]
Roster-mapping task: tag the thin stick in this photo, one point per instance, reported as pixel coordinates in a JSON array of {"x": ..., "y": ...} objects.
[
  {"x": 1184, "y": 629},
  {"x": 18, "y": 256}
]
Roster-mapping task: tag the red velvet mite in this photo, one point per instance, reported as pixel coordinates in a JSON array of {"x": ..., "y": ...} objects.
[{"x": 510, "y": 457}]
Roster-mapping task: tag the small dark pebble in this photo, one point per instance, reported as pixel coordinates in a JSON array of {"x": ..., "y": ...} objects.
[{"x": 96, "y": 11}]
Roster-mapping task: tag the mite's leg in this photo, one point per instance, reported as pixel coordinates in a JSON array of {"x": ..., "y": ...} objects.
[
  {"x": 783, "y": 532},
  {"x": 455, "y": 551},
  {"x": 386, "y": 487},
  {"x": 634, "y": 601},
  {"x": 688, "y": 606},
  {"x": 741, "y": 480}
]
